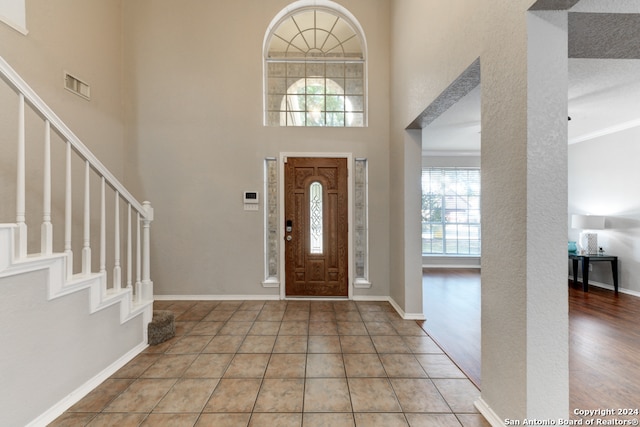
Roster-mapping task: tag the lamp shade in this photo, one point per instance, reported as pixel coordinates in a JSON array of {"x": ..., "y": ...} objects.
[{"x": 587, "y": 222}]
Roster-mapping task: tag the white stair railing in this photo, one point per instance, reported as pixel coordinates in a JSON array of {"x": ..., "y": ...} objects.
[{"x": 142, "y": 288}]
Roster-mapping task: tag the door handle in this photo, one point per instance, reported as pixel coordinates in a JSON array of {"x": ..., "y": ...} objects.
[{"x": 289, "y": 238}]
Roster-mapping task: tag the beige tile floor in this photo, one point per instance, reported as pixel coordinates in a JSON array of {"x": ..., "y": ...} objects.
[{"x": 285, "y": 363}]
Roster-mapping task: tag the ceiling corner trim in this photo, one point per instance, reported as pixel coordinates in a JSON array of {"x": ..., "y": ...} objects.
[{"x": 553, "y": 4}]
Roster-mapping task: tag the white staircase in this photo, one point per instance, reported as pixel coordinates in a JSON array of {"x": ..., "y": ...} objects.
[
  {"x": 81, "y": 345},
  {"x": 59, "y": 285}
]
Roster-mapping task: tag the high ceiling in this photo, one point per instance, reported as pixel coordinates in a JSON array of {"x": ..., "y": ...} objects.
[
  {"x": 604, "y": 97},
  {"x": 457, "y": 130},
  {"x": 604, "y": 82}
]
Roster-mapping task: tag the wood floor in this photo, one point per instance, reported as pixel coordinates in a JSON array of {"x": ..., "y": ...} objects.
[
  {"x": 452, "y": 308},
  {"x": 604, "y": 336}
]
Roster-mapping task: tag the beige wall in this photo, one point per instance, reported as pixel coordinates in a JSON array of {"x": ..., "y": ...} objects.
[
  {"x": 85, "y": 40},
  {"x": 430, "y": 48},
  {"x": 177, "y": 93},
  {"x": 196, "y": 139},
  {"x": 176, "y": 113}
]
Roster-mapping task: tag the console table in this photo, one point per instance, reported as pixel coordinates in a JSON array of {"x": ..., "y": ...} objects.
[{"x": 585, "y": 260}]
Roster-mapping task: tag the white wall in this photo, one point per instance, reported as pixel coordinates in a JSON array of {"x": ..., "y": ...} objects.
[
  {"x": 196, "y": 139},
  {"x": 603, "y": 177},
  {"x": 52, "y": 348}
]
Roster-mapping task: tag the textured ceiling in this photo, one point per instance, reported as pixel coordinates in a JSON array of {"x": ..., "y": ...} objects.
[
  {"x": 553, "y": 4},
  {"x": 603, "y": 97},
  {"x": 604, "y": 81},
  {"x": 604, "y": 35}
]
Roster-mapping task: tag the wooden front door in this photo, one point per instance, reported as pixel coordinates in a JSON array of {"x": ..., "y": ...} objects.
[{"x": 316, "y": 227}]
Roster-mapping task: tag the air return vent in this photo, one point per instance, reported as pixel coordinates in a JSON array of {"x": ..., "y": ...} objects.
[{"x": 77, "y": 86}]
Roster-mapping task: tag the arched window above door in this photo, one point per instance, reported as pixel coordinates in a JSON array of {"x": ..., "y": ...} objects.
[{"x": 315, "y": 67}]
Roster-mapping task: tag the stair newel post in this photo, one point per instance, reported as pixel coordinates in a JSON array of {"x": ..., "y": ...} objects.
[
  {"x": 103, "y": 234},
  {"x": 117, "y": 269},
  {"x": 129, "y": 284},
  {"x": 138, "y": 289},
  {"x": 46, "y": 231},
  {"x": 86, "y": 247},
  {"x": 67, "y": 213},
  {"x": 21, "y": 249},
  {"x": 147, "y": 284}
]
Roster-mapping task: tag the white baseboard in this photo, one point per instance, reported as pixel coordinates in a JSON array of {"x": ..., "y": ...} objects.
[
  {"x": 452, "y": 266},
  {"x": 414, "y": 316},
  {"x": 610, "y": 287},
  {"x": 486, "y": 411},
  {"x": 406, "y": 316},
  {"x": 215, "y": 297},
  {"x": 370, "y": 298},
  {"x": 75, "y": 396},
  {"x": 401, "y": 312}
]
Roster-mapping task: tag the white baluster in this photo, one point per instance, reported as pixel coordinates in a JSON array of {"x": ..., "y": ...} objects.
[
  {"x": 117, "y": 270},
  {"x": 147, "y": 285},
  {"x": 129, "y": 255},
  {"x": 21, "y": 249},
  {"x": 67, "y": 214},
  {"x": 86, "y": 247},
  {"x": 103, "y": 235},
  {"x": 46, "y": 231},
  {"x": 138, "y": 261}
]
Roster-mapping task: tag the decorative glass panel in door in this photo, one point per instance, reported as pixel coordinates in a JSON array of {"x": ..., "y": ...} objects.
[{"x": 316, "y": 219}]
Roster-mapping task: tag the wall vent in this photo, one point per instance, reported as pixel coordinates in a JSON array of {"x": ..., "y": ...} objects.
[{"x": 77, "y": 86}]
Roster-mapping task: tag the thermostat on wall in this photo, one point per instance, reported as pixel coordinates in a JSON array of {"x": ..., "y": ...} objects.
[{"x": 251, "y": 200}]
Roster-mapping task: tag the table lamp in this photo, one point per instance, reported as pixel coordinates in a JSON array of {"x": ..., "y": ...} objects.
[{"x": 588, "y": 239}]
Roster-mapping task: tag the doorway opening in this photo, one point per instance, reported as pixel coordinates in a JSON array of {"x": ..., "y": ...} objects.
[{"x": 451, "y": 134}]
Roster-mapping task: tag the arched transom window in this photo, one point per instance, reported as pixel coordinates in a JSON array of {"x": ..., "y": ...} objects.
[{"x": 315, "y": 69}]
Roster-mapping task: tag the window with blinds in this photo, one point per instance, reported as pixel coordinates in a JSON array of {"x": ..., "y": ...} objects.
[{"x": 451, "y": 211}]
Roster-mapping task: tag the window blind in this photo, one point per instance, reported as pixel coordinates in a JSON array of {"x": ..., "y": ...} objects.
[{"x": 451, "y": 211}]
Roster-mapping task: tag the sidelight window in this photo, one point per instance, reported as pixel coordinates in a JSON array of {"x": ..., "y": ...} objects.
[{"x": 271, "y": 220}]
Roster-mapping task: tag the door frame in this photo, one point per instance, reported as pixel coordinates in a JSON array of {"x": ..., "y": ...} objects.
[{"x": 281, "y": 231}]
